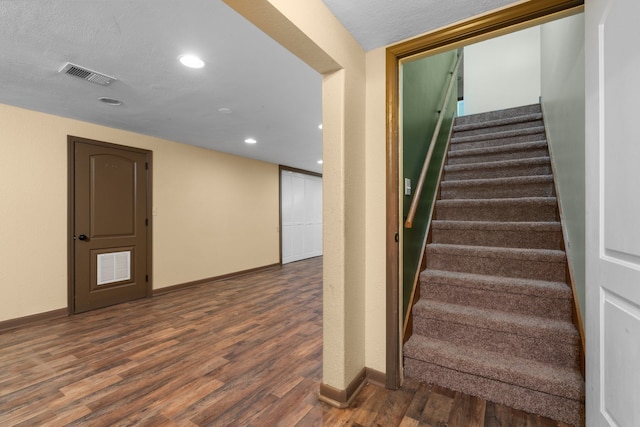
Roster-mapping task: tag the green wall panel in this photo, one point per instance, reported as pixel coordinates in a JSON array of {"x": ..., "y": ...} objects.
[{"x": 424, "y": 84}]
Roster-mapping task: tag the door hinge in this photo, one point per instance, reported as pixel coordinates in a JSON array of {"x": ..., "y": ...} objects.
[
  {"x": 397, "y": 237},
  {"x": 146, "y": 165},
  {"x": 146, "y": 221},
  {"x": 146, "y": 278}
]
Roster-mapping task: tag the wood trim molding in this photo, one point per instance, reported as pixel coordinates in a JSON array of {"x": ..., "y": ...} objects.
[
  {"x": 501, "y": 21},
  {"x": 527, "y": 13},
  {"x": 71, "y": 203},
  {"x": 376, "y": 377},
  {"x": 576, "y": 317},
  {"x": 393, "y": 312},
  {"x": 344, "y": 398},
  {"x": 302, "y": 171},
  {"x": 181, "y": 286},
  {"x": 6, "y": 325}
]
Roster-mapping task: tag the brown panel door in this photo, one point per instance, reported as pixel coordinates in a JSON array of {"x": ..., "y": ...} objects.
[{"x": 110, "y": 224}]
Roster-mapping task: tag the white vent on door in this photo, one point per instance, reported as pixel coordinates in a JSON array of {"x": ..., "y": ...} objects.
[
  {"x": 87, "y": 74},
  {"x": 114, "y": 267}
]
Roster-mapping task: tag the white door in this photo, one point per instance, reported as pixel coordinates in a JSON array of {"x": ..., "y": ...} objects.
[
  {"x": 612, "y": 315},
  {"x": 301, "y": 208}
]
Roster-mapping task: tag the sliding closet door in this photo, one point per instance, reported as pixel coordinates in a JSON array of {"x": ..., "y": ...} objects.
[{"x": 301, "y": 207}]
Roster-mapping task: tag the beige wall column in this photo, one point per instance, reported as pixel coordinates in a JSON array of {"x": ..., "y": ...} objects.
[
  {"x": 376, "y": 254},
  {"x": 311, "y": 32},
  {"x": 333, "y": 223}
]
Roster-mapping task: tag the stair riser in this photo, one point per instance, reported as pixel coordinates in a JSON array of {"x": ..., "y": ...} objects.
[
  {"x": 495, "y": 142},
  {"x": 562, "y": 354},
  {"x": 499, "y": 238},
  {"x": 495, "y": 157},
  {"x": 496, "y": 115},
  {"x": 499, "y": 266},
  {"x": 499, "y": 191},
  {"x": 500, "y": 128},
  {"x": 503, "y": 172},
  {"x": 562, "y": 409},
  {"x": 530, "y": 305}
]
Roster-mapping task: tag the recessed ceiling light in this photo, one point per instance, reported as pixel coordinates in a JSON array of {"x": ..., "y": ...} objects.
[
  {"x": 250, "y": 141},
  {"x": 320, "y": 162},
  {"x": 225, "y": 110},
  {"x": 320, "y": 126},
  {"x": 110, "y": 101},
  {"x": 191, "y": 61}
]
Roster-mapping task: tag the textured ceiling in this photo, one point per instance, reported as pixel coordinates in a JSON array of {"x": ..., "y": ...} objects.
[
  {"x": 274, "y": 97},
  {"x": 377, "y": 23}
]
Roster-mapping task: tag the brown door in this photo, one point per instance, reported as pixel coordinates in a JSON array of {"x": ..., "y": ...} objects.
[{"x": 109, "y": 224}]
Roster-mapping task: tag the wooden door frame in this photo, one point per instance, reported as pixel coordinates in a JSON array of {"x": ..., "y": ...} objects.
[
  {"x": 71, "y": 140},
  {"x": 282, "y": 168},
  {"x": 492, "y": 24}
]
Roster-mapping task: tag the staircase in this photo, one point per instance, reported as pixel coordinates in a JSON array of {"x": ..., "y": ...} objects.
[{"x": 494, "y": 317}]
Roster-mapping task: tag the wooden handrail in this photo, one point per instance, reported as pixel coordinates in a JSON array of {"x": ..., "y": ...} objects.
[{"x": 425, "y": 166}]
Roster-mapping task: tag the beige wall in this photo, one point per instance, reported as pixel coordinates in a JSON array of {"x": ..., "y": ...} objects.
[
  {"x": 216, "y": 213},
  {"x": 376, "y": 193}
]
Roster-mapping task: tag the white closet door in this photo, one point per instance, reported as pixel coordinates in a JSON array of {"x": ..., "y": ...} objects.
[{"x": 301, "y": 204}]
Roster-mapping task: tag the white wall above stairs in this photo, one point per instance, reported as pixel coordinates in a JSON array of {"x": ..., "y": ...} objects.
[{"x": 503, "y": 72}]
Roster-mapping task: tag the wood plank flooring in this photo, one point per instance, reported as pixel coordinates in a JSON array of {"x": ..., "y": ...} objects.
[{"x": 245, "y": 351}]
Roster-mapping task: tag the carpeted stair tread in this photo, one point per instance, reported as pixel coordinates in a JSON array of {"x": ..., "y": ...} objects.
[
  {"x": 528, "y": 297},
  {"x": 501, "y": 168},
  {"x": 534, "y": 235},
  {"x": 541, "y": 347},
  {"x": 494, "y": 316},
  {"x": 499, "y": 149},
  {"x": 502, "y": 321},
  {"x": 539, "y": 264},
  {"x": 494, "y": 115},
  {"x": 496, "y": 225},
  {"x": 546, "y": 255},
  {"x": 566, "y": 410},
  {"x": 518, "y": 186},
  {"x": 513, "y": 285},
  {"x": 518, "y": 150},
  {"x": 498, "y": 122},
  {"x": 505, "y": 209},
  {"x": 534, "y": 130},
  {"x": 479, "y": 143},
  {"x": 543, "y": 377}
]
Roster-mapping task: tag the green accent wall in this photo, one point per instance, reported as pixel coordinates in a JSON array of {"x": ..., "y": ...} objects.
[{"x": 424, "y": 84}]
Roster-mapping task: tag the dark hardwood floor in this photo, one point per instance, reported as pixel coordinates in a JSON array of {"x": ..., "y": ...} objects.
[{"x": 245, "y": 352}]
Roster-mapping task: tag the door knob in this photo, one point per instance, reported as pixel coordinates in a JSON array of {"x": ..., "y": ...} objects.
[{"x": 83, "y": 237}]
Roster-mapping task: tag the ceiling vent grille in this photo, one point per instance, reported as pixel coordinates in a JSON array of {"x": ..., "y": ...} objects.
[{"x": 87, "y": 74}]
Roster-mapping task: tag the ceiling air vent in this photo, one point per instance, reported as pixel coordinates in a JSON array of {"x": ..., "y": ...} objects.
[{"x": 87, "y": 74}]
